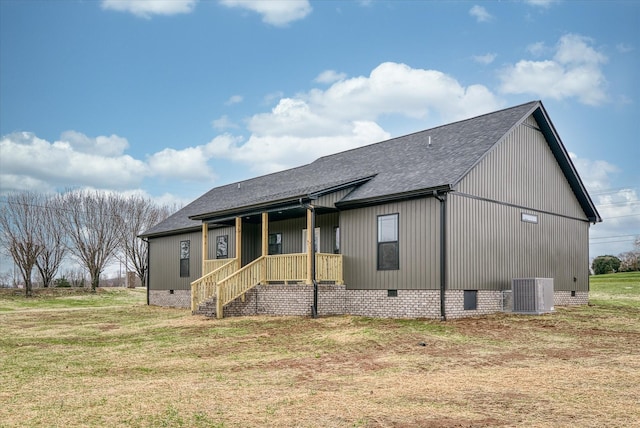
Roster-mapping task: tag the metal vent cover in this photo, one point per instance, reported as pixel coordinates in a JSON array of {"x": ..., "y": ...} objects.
[{"x": 532, "y": 295}]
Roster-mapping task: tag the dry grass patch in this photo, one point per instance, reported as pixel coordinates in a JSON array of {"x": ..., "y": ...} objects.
[{"x": 129, "y": 365}]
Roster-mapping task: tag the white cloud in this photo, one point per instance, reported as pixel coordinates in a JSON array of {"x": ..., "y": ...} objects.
[
  {"x": 541, "y": 3},
  {"x": 185, "y": 164},
  {"x": 624, "y": 48},
  {"x": 618, "y": 208},
  {"x": 485, "y": 59},
  {"x": 75, "y": 160},
  {"x": 223, "y": 123},
  {"x": 480, "y": 13},
  {"x": 537, "y": 49},
  {"x": 278, "y": 13},
  {"x": 234, "y": 99},
  {"x": 574, "y": 71},
  {"x": 318, "y": 122},
  {"x": 330, "y": 76},
  {"x": 101, "y": 145},
  {"x": 147, "y": 8}
]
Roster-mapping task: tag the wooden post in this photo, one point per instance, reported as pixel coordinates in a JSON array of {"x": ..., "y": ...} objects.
[
  {"x": 219, "y": 305},
  {"x": 205, "y": 247},
  {"x": 265, "y": 245},
  {"x": 309, "y": 249},
  {"x": 238, "y": 243},
  {"x": 265, "y": 234}
]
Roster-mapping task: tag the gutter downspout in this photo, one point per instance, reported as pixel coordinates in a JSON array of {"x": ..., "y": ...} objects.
[
  {"x": 314, "y": 307},
  {"x": 146, "y": 240},
  {"x": 443, "y": 251}
]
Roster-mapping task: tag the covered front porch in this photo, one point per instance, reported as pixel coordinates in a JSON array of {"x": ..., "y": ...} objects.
[{"x": 226, "y": 279}]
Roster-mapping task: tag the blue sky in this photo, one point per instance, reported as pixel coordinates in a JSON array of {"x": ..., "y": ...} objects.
[{"x": 170, "y": 98}]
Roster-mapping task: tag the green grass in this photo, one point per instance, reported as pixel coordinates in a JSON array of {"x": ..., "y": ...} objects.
[
  {"x": 617, "y": 289},
  {"x": 69, "y": 298}
]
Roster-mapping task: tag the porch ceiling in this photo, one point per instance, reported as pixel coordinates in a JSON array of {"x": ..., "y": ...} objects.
[{"x": 275, "y": 214}]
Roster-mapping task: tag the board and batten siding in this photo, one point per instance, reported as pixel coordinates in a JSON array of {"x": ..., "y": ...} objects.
[
  {"x": 291, "y": 231},
  {"x": 522, "y": 171},
  {"x": 329, "y": 200},
  {"x": 230, "y": 233},
  {"x": 419, "y": 246},
  {"x": 488, "y": 244},
  {"x": 164, "y": 258}
]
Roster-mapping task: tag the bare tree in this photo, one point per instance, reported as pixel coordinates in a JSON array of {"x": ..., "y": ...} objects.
[
  {"x": 19, "y": 217},
  {"x": 53, "y": 238},
  {"x": 90, "y": 222},
  {"x": 138, "y": 214}
]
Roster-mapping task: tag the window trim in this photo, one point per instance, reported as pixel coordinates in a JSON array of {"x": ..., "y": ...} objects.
[
  {"x": 380, "y": 244},
  {"x": 185, "y": 254}
]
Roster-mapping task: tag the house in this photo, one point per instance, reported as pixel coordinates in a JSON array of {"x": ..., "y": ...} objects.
[{"x": 433, "y": 224}]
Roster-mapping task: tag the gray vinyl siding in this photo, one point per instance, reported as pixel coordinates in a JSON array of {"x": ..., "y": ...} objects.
[
  {"x": 164, "y": 257},
  {"x": 488, "y": 244},
  {"x": 419, "y": 245},
  {"x": 292, "y": 232},
  {"x": 330, "y": 199},
  {"x": 251, "y": 242},
  {"x": 230, "y": 232},
  {"x": 522, "y": 171}
]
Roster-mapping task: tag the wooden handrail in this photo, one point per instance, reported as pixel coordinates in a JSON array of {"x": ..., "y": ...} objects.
[
  {"x": 227, "y": 284},
  {"x": 238, "y": 283},
  {"x": 205, "y": 287}
]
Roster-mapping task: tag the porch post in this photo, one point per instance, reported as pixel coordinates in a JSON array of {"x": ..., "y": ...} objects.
[
  {"x": 265, "y": 246},
  {"x": 238, "y": 243},
  {"x": 310, "y": 233},
  {"x": 205, "y": 247},
  {"x": 265, "y": 234}
]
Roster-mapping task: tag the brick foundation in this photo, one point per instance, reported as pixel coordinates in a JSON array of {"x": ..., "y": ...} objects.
[
  {"x": 564, "y": 298},
  {"x": 297, "y": 299},
  {"x": 175, "y": 299}
]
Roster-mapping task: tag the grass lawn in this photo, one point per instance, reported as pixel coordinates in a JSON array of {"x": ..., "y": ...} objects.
[{"x": 107, "y": 359}]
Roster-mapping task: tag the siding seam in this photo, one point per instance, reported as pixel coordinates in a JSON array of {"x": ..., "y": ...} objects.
[{"x": 508, "y": 204}]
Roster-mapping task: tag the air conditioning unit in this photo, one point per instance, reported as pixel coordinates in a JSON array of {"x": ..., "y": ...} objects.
[{"x": 532, "y": 295}]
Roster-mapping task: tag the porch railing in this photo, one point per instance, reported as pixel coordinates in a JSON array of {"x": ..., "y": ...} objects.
[
  {"x": 238, "y": 283},
  {"x": 205, "y": 287},
  {"x": 211, "y": 265},
  {"x": 227, "y": 284}
]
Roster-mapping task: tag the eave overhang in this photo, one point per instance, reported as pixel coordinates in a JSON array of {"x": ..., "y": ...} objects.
[{"x": 377, "y": 200}]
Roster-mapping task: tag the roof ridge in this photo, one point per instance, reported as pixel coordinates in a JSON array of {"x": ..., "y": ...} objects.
[{"x": 429, "y": 129}]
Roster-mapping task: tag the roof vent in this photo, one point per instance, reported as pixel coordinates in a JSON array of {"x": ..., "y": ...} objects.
[{"x": 429, "y": 141}]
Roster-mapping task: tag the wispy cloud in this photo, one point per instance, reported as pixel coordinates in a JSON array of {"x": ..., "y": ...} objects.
[
  {"x": 278, "y": 13},
  {"x": 234, "y": 99},
  {"x": 485, "y": 59},
  {"x": 480, "y": 13},
  {"x": 330, "y": 76},
  {"x": 575, "y": 71},
  {"x": 624, "y": 48},
  {"x": 147, "y": 8},
  {"x": 541, "y": 3}
]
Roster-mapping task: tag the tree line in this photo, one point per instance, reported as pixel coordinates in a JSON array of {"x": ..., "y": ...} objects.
[
  {"x": 40, "y": 231},
  {"x": 628, "y": 261}
]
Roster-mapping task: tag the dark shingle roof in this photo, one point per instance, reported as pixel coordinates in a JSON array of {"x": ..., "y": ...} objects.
[{"x": 398, "y": 166}]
